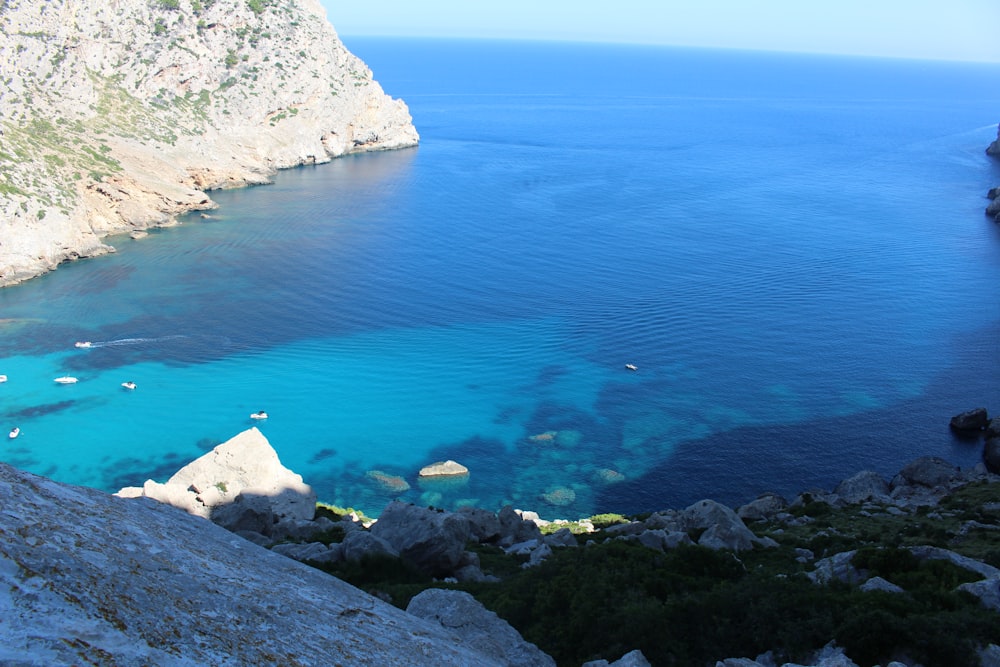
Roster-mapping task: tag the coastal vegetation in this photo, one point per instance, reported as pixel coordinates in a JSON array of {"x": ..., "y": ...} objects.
[{"x": 692, "y": 605}]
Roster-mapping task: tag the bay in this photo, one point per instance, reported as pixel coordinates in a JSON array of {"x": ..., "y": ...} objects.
[{"x": 790, "y": 249}]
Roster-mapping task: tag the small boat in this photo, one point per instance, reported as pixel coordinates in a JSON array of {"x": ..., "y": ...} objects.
[
  {"x": 129, "y": 385},
  {"x": 631, "y": 367},
  {"x": 3, "y": 378},
  {"x": 14, "y": 433},
  {"x": 83, "y": 343},
  {"x": 258, "y": 415},
  {"x": 66, "y": 379}
]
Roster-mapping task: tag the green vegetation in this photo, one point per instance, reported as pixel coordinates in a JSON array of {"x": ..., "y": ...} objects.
[
  {"x": 694, "y": 606},
  {"x": 169, "y": 4}
]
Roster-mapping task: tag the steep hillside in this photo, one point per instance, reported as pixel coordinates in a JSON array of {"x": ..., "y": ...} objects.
[{"x": 118, "y": 115}]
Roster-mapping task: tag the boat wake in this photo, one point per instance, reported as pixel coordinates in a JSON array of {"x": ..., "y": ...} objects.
[{"x": 120, "y": 342}]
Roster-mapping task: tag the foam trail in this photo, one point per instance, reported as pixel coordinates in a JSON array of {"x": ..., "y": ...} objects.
[{"x": 133, "y": 341}]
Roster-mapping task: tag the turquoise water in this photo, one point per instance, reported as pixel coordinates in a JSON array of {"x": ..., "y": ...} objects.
[{"x": 790, "y": 249}]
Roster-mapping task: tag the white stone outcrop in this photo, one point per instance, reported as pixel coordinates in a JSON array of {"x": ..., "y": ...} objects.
[
  {"x": 89, "y": 578},
  {"x": 240, "y": 484},
  {"x": 447, "y": 468},
  {"x": 118, "y": 116}
]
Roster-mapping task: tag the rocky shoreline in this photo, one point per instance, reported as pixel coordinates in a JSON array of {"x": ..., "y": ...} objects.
[
  {"x": 121, "y": 567},
  {"x": 118, "y": 118}
]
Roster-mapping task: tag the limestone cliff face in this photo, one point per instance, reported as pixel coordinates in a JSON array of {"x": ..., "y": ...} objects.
[{"x": 120, "y": 114}]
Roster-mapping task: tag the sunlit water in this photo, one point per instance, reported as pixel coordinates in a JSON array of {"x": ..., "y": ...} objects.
[{"x": 791, "y": 250}]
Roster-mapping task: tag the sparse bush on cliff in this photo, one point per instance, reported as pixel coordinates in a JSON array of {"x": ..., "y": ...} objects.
[{"x": 693, "y": 606}]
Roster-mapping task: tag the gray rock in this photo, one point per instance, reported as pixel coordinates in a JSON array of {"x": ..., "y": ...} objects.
[
  {"x": 838, "y": 567},
  {"x": 631, "y": 659},
  {"x": 865, "y": 485},
  {"x": 514, "y": 528},
  {"x": 764, "y": 506},
  {"x": 460, "y": 613},
  {"x": 723, "y": 528},
  {"x": 927, "y": 471},
  {"x": 360, "y": 543},
  {"x": 991, "y": 455},
  {"x": 627, "y": 529},
  {"x": 971, "y": 420},
  {"x": 937, "y": 553},
  {"x": 880, "y": 584},
  {"x": 987, "y": 590},
  {"x": 485, "y": 525},
  {"x": 433, "y": 541},
  {"x": 664, "y": 520},
  {"x": 315, "y": 551},
  {"x": 88, "y": 578},
  {"x": 561, "y": 538},
  {"x": 990, "y": 656}
]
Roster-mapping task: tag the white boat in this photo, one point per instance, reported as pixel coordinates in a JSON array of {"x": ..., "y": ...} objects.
[
  {"x": 129, "y": 385},
  {"x": 14, "y": 433},
  {"x": 258, "y": 415},
  {"x": 3, "y": 378},
  {"x": 631, "y": 367},
  {"x": 66, "y": 379},
  {"x": 83, "y": 343}
]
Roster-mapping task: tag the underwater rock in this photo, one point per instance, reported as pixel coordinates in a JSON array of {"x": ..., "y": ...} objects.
[
  {"x": 560, "y": 496},
  {"x": 609, "y": 476},
  {"x": 387, "y": 482}
]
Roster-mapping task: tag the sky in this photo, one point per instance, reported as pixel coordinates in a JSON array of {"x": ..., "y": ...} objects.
[{"x": 925, "y": 29}]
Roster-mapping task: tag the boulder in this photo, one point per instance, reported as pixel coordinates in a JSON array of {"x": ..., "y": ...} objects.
[
  {"x": 358, "y": 544},
  {"x": 971, "y": 420},
  {"x": 839, "y": 567},
  {"x": 240, "y": 484},
  {"x": 991, "y": 455},
  {"x": 866, "y": 485},
  {"x": 723, "y": 528},
  {"x": 987, "y": 590},
  {"x": 993, "y": 428},
  {"x": 631, "y": 659},
  {"x": 764, "y": 507},
  {"x": 880, "y": 584},
  {"x": 444, "y": 469},
  {"x": 514, "y": 528},
  {"x": 927, "y": 471},
  {"x": 479, "y": 628},
  {"x": 432, "y": 541},
  {"x": 484, "y": 524}
]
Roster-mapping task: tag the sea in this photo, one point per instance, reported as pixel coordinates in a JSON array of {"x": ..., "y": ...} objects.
[{"x": 790, "y": 250}]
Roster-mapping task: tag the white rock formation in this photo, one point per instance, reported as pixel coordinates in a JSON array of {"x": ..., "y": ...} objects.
[
  {"x": 244, "y": 466},
  {"x": 90, "y": 579},
  {"x": 443, "y": 469},
  {"x": 117, "y": 115}
]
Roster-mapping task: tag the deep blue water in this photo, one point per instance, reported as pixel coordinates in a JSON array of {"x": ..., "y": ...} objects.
[{"x": 791, "y": 249}]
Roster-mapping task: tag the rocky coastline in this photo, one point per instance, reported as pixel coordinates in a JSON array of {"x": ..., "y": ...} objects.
[
  {"x": 115, "y": 118},
  {"x": 993, "y": 208},
  {"x": 178, "y": 572}
]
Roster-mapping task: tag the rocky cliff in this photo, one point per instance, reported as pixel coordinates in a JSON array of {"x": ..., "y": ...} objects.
[
  {"x": 87, "y": 578},
  {"x": 119, "y": 115}
]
